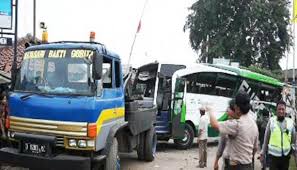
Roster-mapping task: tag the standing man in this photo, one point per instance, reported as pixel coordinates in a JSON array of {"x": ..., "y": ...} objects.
[
  {"x": 279, "y": 139},
  {"x": 202, "y": 138},
  {"x": 242, "y": 132}
]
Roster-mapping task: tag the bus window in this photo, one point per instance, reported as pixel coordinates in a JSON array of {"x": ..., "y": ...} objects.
[
  {"x": 269, "y": 93},
  {"x": 206, "y": 83},
  {"x": 250, "y": 86},
  {"x": 261, "y": 91},
  {"x": 226, "y": 85},
  {"x": 192, "y": 83},
  {"x": 201, "y": 83}
]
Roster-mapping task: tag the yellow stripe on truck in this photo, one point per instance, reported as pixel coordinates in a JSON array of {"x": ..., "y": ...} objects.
[{"x": 108, "y": 115}]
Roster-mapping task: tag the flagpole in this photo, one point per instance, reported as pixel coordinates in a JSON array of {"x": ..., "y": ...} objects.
[
  {"x": 135, "y": 35},
  {"x": 294, "y": 43}
]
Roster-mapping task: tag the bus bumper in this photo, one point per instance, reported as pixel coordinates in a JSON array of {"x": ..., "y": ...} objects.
[{"x": 62, "y": 161}]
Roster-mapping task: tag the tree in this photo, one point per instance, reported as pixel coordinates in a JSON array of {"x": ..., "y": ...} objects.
[{"x": 252, "y": 32}]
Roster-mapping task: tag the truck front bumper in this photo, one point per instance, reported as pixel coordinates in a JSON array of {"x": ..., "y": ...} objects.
[{"x": 62, "y": 161}]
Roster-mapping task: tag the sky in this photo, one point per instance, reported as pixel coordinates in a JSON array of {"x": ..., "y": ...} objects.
[{"x": 115, "y": 22}]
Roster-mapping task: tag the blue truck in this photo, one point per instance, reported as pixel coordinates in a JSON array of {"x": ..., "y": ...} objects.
[{"x": 69, "y": 109}]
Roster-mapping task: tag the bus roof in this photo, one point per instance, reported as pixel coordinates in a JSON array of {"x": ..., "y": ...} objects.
[
  {"x": 201, "y": 68},
  {"x": 73, "y": 44},
  {"x": 249, "y": 74}
]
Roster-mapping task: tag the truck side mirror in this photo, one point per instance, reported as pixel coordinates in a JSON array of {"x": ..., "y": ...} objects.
[{"x": 97, "y": 66}]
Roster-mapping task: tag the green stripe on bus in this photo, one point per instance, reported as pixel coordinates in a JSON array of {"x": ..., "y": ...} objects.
[
  {"x": 211, "y": 131},
  {"x": 224, "y": 117},
  {"x": 260, "y": 77},
  {"x": 249, "y": 74},
  {"x": 183, "y": 114}
]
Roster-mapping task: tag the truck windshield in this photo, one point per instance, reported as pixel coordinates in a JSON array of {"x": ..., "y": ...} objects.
[{"x": 56, "y": 75}]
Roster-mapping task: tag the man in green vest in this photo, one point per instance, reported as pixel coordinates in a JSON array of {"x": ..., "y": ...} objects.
[{"x": 279, "y": 139}]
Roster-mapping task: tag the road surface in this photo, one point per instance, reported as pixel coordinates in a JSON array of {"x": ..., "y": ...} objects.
[
  {"x": 170, "y": 158},
  {"x": 167, "y": 158}
]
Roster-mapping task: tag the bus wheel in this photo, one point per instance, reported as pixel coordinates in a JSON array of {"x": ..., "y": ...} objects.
[
  {"x": 187, "y": 141},
  {"x": 150, "y": 144},
  {"x": 140, "y": 147},
  {"x": 113, "y": 159}
]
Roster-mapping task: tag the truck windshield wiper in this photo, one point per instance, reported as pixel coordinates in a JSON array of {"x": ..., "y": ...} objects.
[{"x": 26, "y": 96}]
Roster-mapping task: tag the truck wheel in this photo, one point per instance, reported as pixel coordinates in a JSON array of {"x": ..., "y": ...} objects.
[
  {"x": 150, "y": 144},
  {"x": 140, "y": 147},
  {"x": 113, "y": 159},
  {"x": 187, "y": 141}
]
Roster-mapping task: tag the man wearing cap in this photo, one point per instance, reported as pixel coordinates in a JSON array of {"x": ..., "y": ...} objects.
[
  {"x": 279, "y": 139},
  {"x": 242, "y": 132},
  {"x": 202, "y": 138}
]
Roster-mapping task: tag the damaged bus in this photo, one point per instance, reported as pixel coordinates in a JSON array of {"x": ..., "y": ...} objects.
[
  {"x": 179, "y": 92},
  {"x": 217, "y": 84}
]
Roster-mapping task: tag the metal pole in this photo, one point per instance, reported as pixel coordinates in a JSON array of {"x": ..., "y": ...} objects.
[
  {"x": 34, "y": 20},
  {"x": 132, "y": 46},
  {"x": 287, "y": 62},
  {"x": 207, "y": 46},
  {"x": 135, "y": 35},
  {"x": 293, "y": 76},
  {"x": 14, "y": 64}
]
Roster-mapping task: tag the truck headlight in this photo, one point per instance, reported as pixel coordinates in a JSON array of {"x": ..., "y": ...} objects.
[
  {"x": 82, "y": 143},
  {"x": 72, "y": 143},
  {"x": 10, "y": 134},
  {"x": 90, "y": 143}
]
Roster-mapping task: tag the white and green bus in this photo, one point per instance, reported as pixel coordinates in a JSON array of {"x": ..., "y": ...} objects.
[{"x": 179, "y": 92}]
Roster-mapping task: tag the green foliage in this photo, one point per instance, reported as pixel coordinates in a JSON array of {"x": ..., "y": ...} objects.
[
  {"x": 247, "y": 31},
  {"x": 277, "y": 74}
]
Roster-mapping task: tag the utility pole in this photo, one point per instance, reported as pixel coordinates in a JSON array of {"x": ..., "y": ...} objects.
[
  {"x": 294, "y": 43},
  {"x": 34, "y": 20},
  {"x": 287, "y": 62},
  {"x": 15, "y": 50}
]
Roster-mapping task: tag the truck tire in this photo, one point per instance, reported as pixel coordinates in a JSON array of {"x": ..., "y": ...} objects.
[
  {"x": 150, "y": 144},
  {"x": 112, "y": 158},
  {"x": 140, "y": 147},
  {"x": 187, "y": 141}
]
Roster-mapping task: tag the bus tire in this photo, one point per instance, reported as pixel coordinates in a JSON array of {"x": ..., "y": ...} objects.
[
  {"x": 150, "y": 144},
  {"x": 112, "y": 158},
  {"x": 140, "y": 147},
  {"x": 187, "y": 141}
]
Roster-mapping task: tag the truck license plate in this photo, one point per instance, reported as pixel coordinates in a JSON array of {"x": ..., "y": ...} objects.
[{"x": 34, "y": 148}]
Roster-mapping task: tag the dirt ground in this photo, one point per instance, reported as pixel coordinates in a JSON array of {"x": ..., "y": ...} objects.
[
  {"x": 170, "y": 158},
  {"x": 167, "y": 158}
]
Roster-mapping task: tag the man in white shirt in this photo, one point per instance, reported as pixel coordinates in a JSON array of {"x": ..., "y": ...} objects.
[{"x": 202, "y": 138}]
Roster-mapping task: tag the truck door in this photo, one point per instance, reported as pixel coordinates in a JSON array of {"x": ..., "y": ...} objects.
[{"x": 178, "y": 109}]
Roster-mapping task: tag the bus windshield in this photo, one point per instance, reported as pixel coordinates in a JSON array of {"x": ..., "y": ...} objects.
[{"x": 66, "y": 75}]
